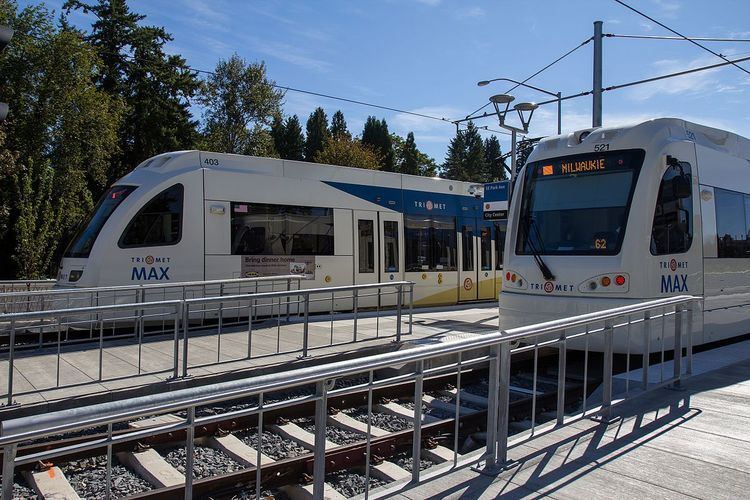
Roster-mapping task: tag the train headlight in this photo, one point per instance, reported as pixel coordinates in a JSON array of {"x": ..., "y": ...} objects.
[
  {"x": 620, "y": 280},
  {"x": 605, "y": 283},
  {"x": 515, "y": 281},
  {"x": 75, "y": 275}
]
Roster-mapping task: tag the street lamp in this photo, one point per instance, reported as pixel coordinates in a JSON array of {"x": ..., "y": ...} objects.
[
  {"x": 502, "y": 102},
  {"x": 558, "y": 95}
]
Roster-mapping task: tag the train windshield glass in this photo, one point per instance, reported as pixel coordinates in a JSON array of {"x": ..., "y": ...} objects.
[
  {"x": 577, "y": 205},
  {"x": 84, "y": 239}
]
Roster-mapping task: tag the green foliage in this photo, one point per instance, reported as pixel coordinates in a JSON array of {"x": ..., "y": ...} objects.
[
  {"x": 59, "y": 139},
  {"x": 155, "y": 87},
  {"x": 493, "y": 161},
  {"x": 288, "y": 138},
  {"x": 348, "y": 153},
  {"x": 376, "y": 135},
  {"x": 260, "y": 143},
  {"x": 338, "y": 126},
  {"x": 237, "y": 96},
  {"x": 524, "y": 149},
  {"x": 465, "y": 160},
  {"x": 409, "y": 159},
  {"x": 317, "y": 133}
]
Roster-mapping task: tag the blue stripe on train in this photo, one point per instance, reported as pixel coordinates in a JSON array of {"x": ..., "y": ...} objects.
[{"x": 413, "y": 202}]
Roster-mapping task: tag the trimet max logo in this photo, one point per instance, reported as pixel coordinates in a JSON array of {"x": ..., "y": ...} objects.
[
  {"x": 150, "y": 272},
  {"x": 429, "y": 205},
  {"x": 671, "y": 281}
]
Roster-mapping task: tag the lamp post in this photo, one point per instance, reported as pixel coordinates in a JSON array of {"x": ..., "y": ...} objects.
[
  {"x": 558, "y": 95},
  {"x": 501, "y": 102}
]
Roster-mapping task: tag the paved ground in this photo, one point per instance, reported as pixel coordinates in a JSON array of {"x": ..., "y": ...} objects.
[
  {"x": 126, "y": 366},
  {"x": 668, "y": 444}
]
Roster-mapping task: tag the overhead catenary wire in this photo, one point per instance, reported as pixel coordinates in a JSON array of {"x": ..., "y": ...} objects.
[
  {"x": 677, "y": 38},
  {"x": 681, "y": 35},
  {"x": 469, "y": 116}
]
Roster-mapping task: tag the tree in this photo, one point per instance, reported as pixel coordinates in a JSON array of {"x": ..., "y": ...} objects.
[
  {"x": 338, "y": 126},
  {"x": 156, "y": 87},
  {"x": 59, "y": 142},
  {"x": 237, "y": 97},
  {"x": 409, "y": 159},
  {"x": 375, "y": 134},
  {"x": 348, "y": 153},
  {"x": 524, "y": 149},
  {"x": 294, "y": 140},
  {"x": 493, "y": 160},
  {"x": 317, "y": 133},
  {"x": 260, "y": 143},
  {"x": 465, "y": 160}
]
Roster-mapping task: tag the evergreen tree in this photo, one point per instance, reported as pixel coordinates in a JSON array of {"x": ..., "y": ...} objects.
[
  {"x": 237, "y": 96},
  {"x": 493, "y": 160},
  {"x": 155, "y": 87},
  {"x": 260, "y": 143},
  {"x": 338, "y": 126},
  {"x": 465, "y": 160},
  {"x": 376, "y": 135},
  {"x": 294, "y": 140},
  {"x": 278, "y": 134},
  {"x": 317, "y": 133},
  {"x": 348, "y": 153},
  {"x": 58, "y": 142},
  {"x": 409, "y": 161},
  {"x": 524, "y": 148}
]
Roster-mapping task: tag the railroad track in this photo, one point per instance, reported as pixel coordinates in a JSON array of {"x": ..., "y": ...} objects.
[{"x": 227, "y": 455}]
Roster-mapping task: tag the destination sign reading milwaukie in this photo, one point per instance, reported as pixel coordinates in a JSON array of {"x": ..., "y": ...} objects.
[
  {"x": 582, "y": 166},
  {"x": 578, "y": 165}
]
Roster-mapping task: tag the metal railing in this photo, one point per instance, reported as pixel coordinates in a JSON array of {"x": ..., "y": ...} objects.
[
  {"x": 24, "y": 296},
  {"x": 242, "y": 327},
  {"x": 459, "y": 357}
]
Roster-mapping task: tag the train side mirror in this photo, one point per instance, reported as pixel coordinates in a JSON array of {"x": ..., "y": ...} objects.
[{"x": 681, "y": 187}]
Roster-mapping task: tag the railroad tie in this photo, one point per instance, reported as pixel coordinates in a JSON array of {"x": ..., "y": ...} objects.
[
  {"x": 467, "y": 396},
  {"x": 447, "y": 407},
  {"x": 167, "y": 418},
  {"x": 344, "y": 421},
  {"x": 388, "y": 471},
  {"x": 438, "y": 454},
  {"x": 152, "y": 467},
  {"x": 51, "y": 483},
  {"x": 238, "y": 450},
  {"x": 396, "y": 409},
  {"x": 305, "y": 492},
  {"x": 296, "y": 433}
]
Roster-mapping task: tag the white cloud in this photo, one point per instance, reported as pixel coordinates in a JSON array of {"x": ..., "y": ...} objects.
[
  {"x": 668, "y": 8},
  {"x": 292, "y": 55},
  {"x": 471, "y": 13}
]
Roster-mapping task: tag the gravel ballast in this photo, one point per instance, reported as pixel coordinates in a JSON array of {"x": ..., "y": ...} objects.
[
  {"x": 333, "y": 434},
  {"x": 406, "y": 461},
  {"x": 272, "y": 444},
  {"x": 350, "y": 483},
  {"x": 390, "y": 423},
  {"x": 207, "y": 462},
  {"x": 88, "y": 478}
]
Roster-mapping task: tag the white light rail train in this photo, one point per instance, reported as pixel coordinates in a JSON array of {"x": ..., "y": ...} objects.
[
  {"x": 195, "y": 215},
  {"x": 606, "y": 217}
]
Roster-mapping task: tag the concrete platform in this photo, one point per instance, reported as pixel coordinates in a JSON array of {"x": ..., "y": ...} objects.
[
  {"x": 668, "y": 444},
  {"x": 273, "y": 348}
]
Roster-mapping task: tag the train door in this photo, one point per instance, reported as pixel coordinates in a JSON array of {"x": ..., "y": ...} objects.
[
  {"x": 500, "y": 228},
  {"x": 366, "y": 250},
  {"x": 486, "y": 281},
  {"x": 391, "y": 258},
  {"x": 468, "y": 269}
]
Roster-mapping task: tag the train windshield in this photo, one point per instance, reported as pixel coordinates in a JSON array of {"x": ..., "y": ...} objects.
[
  {"x": 577, "y": 205},
  {"x": 84, "y": 239}
]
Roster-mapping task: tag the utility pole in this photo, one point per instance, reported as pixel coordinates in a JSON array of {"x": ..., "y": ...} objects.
[{"x": 596, "y": 111}]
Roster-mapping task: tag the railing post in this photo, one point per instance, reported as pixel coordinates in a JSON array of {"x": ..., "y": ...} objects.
[
  {"x": 503, "y": 402},
  {"x": 399, "y": 301},
  {"x": 416, "y": 446},
  {"x": 355, "y": 300},
  {"x": 185, "y": 335},
  {"x": 9, "y": 466},
  {"x": 561, "y": 375},
  {"x": 306, "y": 326},
  {"x": 677, "y": 358},
  {"x": 492, "y": 406},
  {"x": 646, "y": 349},
  {"x": 189, "y": 452},
  {"x": 11, "y": 355},
  {"x": 319, "y": 457},
  {"x": 411, "y": 305},
  {"x": 695, "y": 321},
  {"x": 607, "y": 369},
  {"x": 176, "y": 347},
  {"x": 288, "y": 289}
]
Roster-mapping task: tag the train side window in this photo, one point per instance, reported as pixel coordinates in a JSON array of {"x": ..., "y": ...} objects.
[
  {"x": 430, "y": 243},
  {"x": 485, "y": 244},
  {"x": 390, "y": 246},
  {"x": 366, "y": 235},
  {"x": 265, "y": 229},
  {"x": 158, "y": 223},
  {"x": 672, "y": 230},
  {"x": 731, "y": 224},
  {"x": 501, "y": 229},
  {"x": 467, "y": 247}
]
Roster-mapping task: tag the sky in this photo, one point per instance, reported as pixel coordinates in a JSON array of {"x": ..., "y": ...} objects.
[{"x": 426, "y": 56}]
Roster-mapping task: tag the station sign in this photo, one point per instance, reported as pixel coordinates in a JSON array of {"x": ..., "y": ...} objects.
[{"x": 495, "y": 203}]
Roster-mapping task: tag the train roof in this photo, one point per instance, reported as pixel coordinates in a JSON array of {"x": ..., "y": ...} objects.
[{"x": 645, "y": 132}]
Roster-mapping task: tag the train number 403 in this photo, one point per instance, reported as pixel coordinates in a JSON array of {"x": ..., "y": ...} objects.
[{"x": 211, "y": 161}]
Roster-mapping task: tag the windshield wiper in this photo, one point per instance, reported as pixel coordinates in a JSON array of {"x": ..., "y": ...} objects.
[{"x": 546, "y": 272}]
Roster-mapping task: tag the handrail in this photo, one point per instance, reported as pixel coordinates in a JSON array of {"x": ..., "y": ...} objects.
[
  {"x": 38, "y": 426},
  {"x": 176, "y": 284}
]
